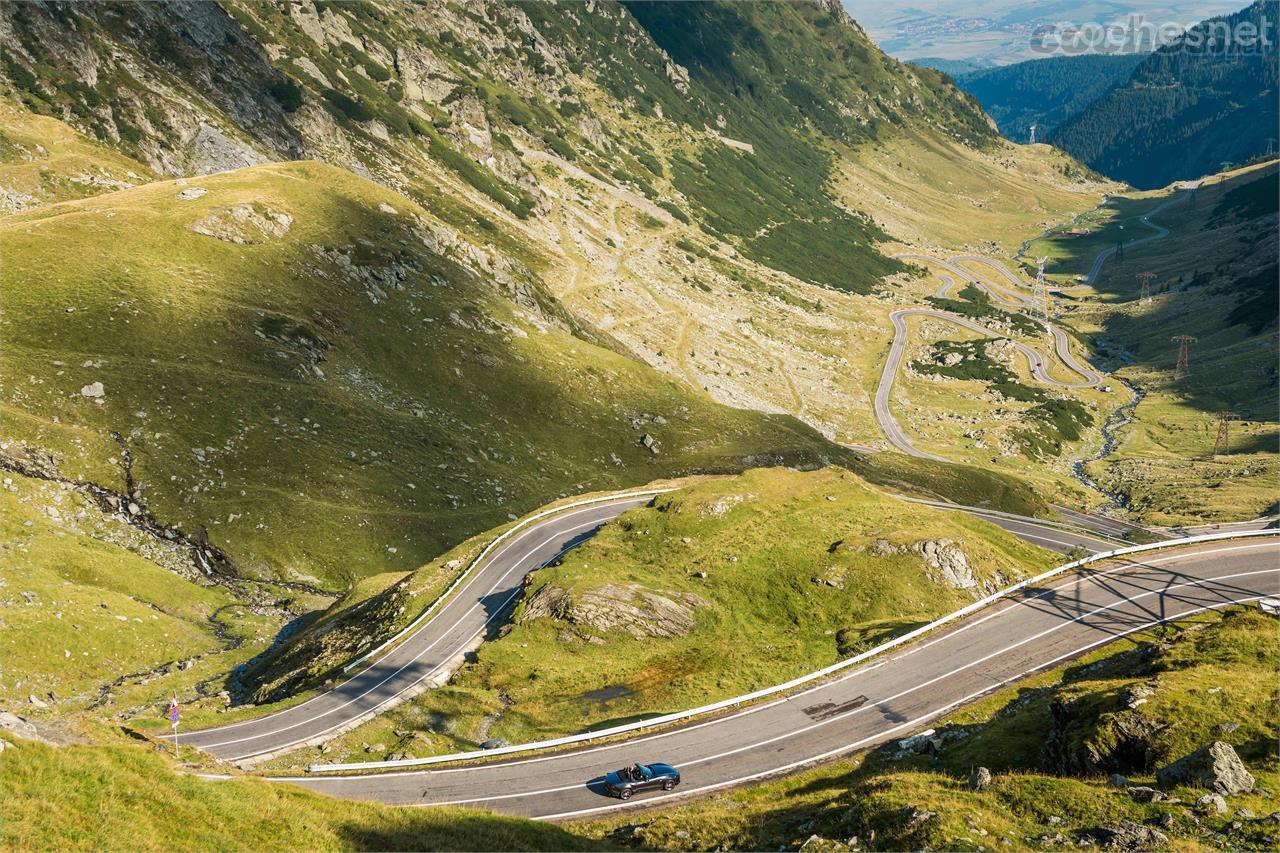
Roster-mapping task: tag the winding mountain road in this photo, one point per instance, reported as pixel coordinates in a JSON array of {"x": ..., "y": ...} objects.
[
  {"x": 890, "y": 697},
  {"x": 421, "y": 659},
  {"x": 428, "y": 654},
  {"x": 1035, "y": 361},
  {"x": 1145, "y": 219}
]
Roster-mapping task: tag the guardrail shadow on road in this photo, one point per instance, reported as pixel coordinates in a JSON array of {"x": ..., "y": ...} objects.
[{"x": 1129, "y": 597}]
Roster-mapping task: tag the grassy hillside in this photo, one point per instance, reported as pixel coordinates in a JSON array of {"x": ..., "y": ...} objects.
[
  {"x": 1204, "y": 680},
  {"x": 1045, "y": 92},
  {"x": 42, "y": 160},
  {"x": 732, "y": 595},
  {"x": 129, "y": 797},
  {"x": 1187, "y": 108},
  {"x": 100, "y": 615},
  {"x": 295, "y": 363},
  {"x": 1216, "y": 281}
]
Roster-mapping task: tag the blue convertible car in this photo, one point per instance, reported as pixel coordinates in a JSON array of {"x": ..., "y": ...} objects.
[{"x": 641, "y": 777}]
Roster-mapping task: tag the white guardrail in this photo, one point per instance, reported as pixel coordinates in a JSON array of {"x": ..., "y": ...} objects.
[
  {"x": 793, "y": 683},
  {"x": 479, "y": 558}
]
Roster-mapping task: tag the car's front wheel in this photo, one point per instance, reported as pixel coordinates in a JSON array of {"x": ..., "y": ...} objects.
[
  {"x": 669, "y": 784},
  {"x": 624, "y": 794}
]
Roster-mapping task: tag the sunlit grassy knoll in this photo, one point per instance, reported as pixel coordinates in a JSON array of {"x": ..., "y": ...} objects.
[{"x": 333, "y": 401}]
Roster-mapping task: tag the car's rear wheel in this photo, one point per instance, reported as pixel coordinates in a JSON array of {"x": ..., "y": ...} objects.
[
  {"x": 669, "y": 784},
  {"x": 624, "y": 794}
]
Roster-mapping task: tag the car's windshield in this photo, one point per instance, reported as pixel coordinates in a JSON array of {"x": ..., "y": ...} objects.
[{"x": 644, "y": 771}]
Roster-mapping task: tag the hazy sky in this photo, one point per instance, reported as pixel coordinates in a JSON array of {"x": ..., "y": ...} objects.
[{"x": 999, "y": 31}]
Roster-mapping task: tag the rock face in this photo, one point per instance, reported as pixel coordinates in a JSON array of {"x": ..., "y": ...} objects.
[
  {"x": 950, "y": 563},
  {"x": 1215, "y": 766},
  {"x": 1127, "y": 835},
  {"x": 243, "y": 223},
  {"x": 629, "y": 607}
]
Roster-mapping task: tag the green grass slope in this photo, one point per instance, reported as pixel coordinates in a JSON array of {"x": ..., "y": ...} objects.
[
  {"x": 763, "y": 577},
  {"x": 1211, "y": 678},
  {"x": 128, "y": 797},
  {"x": 42, "y": 160},
  {"x": 318, "y": 380},
  {"x": 97, "y": 614}
]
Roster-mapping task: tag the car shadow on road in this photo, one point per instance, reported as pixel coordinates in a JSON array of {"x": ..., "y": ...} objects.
[{"x": 596, "y": 786}]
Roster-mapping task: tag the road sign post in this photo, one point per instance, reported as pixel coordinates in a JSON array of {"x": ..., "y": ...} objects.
[{"x": 175, "y": 714}]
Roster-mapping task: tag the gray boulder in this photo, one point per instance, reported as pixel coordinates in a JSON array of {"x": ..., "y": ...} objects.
[
  {"x": 980, "y": 779},
  {"x": 1211, "y": 804},
  {"x": 1216, "y": 767},
  {"x": 19, "y": 726},
  {"x": 629, "y": 607},
  {"x": 1144, "y": 794}
]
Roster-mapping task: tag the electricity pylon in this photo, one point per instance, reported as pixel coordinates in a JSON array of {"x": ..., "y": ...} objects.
[
  {"x": 1144, "y": 281},
  {"x": 1040, "y": 292},
  {"x": 1183, "y": 366},
  {"x": 1033, "y": 134},
  {"x": 1223, "y": 440}
]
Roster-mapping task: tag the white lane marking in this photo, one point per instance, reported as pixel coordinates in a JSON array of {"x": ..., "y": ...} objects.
[
  {"x": 929, "y": 715},
  {"x": 518, "y": 566},
  {"x": 866, "y": 706},
  {"x": 499, "y": 554}
]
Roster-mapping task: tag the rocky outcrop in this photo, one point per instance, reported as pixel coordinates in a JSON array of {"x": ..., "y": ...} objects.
[
  {"x": 949, "y": 563},
  {"x": 1084, "y": 740},
  {"x": 245, "y": 224},
  {"x": 1215, "y": 766},
  {"x": 627, "y": 607},
  {"x": 980, "y": 779},
  {"x": 1127, "y": 835}
]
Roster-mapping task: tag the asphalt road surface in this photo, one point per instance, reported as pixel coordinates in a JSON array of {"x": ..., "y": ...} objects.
[
  {"x": 424, "y": 656},
  {"x": 890, "y": 698}
]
